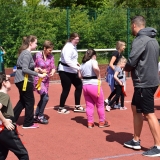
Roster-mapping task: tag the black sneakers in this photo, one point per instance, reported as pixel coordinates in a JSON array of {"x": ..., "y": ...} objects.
[
  {"x": 132, "y": 144},
  {"x": 153, "y": 152}
]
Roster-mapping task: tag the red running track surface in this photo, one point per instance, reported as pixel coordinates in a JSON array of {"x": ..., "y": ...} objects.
[{"x": 67, "y": 137}]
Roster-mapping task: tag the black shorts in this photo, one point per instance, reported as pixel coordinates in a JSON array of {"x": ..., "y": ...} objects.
[{"x": 143, "y": 99}]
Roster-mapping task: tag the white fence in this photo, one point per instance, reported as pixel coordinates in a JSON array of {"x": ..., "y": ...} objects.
[{"x": 84, "y": 50}]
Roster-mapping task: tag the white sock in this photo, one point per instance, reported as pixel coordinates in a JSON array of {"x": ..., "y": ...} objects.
[
  {"x": 158, "y": 147},
  {"x": 134, "y": 140}
]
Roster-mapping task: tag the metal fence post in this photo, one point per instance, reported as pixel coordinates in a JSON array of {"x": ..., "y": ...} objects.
[
  {"x": 128, "y": 34},
  {"x": 128, "y": 31},
  {"x": 68, "y": 27}
]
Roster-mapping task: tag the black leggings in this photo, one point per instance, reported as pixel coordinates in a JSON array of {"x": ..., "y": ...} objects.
[
  {"x": 112, "y": 95},
  {"x": 26, "y": 100},
  {"x": 66, "y": 80},
  {"x": 119, "y": 93}
]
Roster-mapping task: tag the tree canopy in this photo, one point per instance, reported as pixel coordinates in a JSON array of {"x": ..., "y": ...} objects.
[
  {"x": 86, "y": 3},
  {"x": 98, "y": 27},
  {"x": 106, "y": 3}
]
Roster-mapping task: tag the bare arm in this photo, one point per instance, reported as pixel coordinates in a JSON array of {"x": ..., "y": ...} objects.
[
  {"x": 79, "y": 74},
  {"x": 113, "y": 59},
  {"x": 52, "y": 72},
  {"x": 96, "y": 69}
]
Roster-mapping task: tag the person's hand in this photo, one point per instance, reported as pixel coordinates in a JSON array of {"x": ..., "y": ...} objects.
[
  {"x": 42, "y": 75},
  {"x": 8, "y": 124},
  {"x": 51, "y": 73},
  {"x": 38, "y": 70},
  {"x": 44, "y": 71},
  {"x": 8, "y": 76},
  {"x": 121, "y": 84},
  {"x": 99, "y": 77}
]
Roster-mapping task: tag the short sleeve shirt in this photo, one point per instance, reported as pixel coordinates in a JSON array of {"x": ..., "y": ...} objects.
[
  {"x": 117, "y": 55},
  {"x": 120, "y": 75},
  {"x": 7, "y": 109}
]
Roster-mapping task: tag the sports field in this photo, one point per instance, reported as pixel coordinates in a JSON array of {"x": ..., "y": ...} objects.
[{"x": 67, "y": 137}]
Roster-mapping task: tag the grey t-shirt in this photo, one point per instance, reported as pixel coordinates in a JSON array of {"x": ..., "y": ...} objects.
[
  {"x": 26, "y": 62},
  {"x": 121, "y": 75}
]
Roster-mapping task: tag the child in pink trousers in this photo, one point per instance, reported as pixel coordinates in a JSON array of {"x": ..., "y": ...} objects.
[{"x": 92, "y": 90}]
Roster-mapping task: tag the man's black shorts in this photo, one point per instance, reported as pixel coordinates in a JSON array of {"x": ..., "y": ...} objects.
[{"x": 143, "y": 99}]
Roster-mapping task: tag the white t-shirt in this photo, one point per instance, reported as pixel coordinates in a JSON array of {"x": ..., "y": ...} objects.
[
  {"x": 87, "y": 71},
  {"x": 69, "y": 56}
]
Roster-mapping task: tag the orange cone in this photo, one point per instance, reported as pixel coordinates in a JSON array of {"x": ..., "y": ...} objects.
[{"x": 158, "y": 94}]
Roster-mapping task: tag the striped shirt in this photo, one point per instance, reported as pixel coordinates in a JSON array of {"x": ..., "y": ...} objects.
[{"x": 25, "y": 60}]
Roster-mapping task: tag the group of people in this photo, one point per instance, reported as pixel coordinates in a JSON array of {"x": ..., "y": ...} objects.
[
  {"x": 41, "y": 67},
  {"x": 142, "y": 61}
]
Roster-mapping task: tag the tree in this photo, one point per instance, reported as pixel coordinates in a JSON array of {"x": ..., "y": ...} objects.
[
  {"x": 32, "y": 2},
  {"x": 139, "y": 3},
  {"x": 86, "y": 3},
  {"x": 11, "y": 2}
]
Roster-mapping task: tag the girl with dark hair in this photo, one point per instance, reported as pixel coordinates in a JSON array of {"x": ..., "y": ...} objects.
[
  {"x": 67, "y": 68},
  {"x": 92, "y": 89},
  {"x": 24, "y": 81},
  {"x": 44, "y": 61}
]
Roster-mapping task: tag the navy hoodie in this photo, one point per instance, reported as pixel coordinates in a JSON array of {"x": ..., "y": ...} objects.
[{"x": 143, "y": 59}]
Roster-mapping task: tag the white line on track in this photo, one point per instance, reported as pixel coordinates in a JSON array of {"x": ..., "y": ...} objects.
[
  {"x": 117, "y": 156},
  {"x": 84, "y": 104}
]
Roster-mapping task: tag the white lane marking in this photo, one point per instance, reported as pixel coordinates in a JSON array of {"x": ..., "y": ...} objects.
[{"x": 117, "y": 156}]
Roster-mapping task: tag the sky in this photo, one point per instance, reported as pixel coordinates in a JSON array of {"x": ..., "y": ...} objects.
[
  {"x": 45, "y": 3},
  {"x": 42, "y": 2}
]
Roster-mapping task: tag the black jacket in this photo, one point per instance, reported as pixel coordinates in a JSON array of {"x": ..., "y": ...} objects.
[{"x": 143, "y": 59}]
